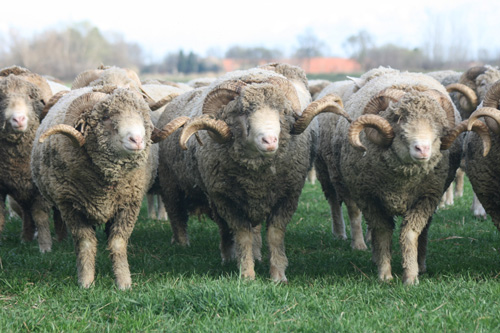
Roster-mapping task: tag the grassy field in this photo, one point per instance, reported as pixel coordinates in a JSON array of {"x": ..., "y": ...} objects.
[{"x": 331, "y": 287}]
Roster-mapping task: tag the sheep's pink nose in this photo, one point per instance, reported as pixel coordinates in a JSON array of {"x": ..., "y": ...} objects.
[
  {"x": 423, "y": 150},
  {"x": 19, "y": 120},
  {"x": 136, "y": 141},
  {"x": 270, "y": 142}
]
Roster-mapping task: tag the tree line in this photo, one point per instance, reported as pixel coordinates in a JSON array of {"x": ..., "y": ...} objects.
[{"x": 80, "y": 46}]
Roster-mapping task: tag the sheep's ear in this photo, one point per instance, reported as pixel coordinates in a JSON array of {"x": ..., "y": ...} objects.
[{"x": 357, "y": 81}]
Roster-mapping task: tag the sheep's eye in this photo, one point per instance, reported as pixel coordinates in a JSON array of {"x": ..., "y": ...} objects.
[{"x": 105, "y": 117}]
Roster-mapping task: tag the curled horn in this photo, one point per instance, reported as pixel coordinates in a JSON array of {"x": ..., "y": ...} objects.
[
  {"x": 83, "y": 79},
  {"x": 162, "y": 102},
  {"x": 468, "y": 93},
  {"x": 383, "y": 127},
  {"x": 480, "y": 128},
  {"x": 381, "y": 101},
  {"x": 161, "y": 134},
  {"x": 221, "y": 96},
  {"x": 468, "y": 78},
  {"x": 329, "y": 103},
  {"x": 77, "y": 138},
  {"x": 77, "y": 107},
  {"x": 52, "y": 101},
  {"x": 220, "y": 131},
  {"x": 491, "y": 115},
  {"x": 491, "y": 100},
  {"x": 445, "y": 103},
  {"x": 290, "y": 93}
]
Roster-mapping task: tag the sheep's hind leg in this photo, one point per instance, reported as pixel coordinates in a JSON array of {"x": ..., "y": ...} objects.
[
  {"x": 257, "y": 242},
  {"x": 40, "y": 215},
  {"x": 357, "y": 240}
]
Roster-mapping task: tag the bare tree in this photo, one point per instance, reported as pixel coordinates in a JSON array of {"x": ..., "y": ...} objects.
[
  {"x": 358, "y": 45},
  {"x": 309, "y": 45}
]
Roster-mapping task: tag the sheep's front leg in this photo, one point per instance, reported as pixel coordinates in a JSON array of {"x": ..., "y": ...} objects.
[
  {"x": 85, "y": 243},
  {"x": 278, "y": 260},
  {"x": 410, "y": 232},
  {"x": 244, "y": 252},
  {"x": 381, "y": 250},
  {"x": 120, "y": 231}
]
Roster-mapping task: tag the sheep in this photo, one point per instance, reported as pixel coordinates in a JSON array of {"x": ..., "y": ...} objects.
[
  {"x": 91, "y": 159},
  {"x": 252, "y": 164},
  {"x": 401, "y": 165},
  {"x": 484, "y": 171},
  {"x": 23, "y": 96},
  {"x": 161, "y": 90},
  {"x": 479, "y": 79},
  {"x": 344, "y": 89}
]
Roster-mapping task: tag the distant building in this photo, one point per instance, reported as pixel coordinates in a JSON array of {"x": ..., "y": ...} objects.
[{"x": 316, "y": 65}]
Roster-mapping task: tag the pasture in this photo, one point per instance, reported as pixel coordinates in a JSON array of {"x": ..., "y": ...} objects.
[{"x": 331, "y": 287}]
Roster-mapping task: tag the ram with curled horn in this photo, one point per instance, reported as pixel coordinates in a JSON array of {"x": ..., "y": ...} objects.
[
  {"x": 93, "y": 160},
  {"x": 483, "y": 170},
  {"x": 396, "y": 158},
  {"x": 257, "y": 148}
]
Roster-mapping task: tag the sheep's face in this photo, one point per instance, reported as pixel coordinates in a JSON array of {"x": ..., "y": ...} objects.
[
  {"x": 263, "y": 131},
  {"x": 121, "y": 124},
  {"x": 485, "y": 81},
  {"x": 418, "y": 123},
  {"x": 18, "y": 100},
  {"x": 260, "y": 126}
]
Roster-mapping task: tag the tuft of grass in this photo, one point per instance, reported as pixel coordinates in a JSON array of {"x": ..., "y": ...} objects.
[{"x": 331, "y": 287}]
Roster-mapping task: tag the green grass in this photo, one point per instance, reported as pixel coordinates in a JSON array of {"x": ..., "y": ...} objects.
[{"x": 331, "y": 287}]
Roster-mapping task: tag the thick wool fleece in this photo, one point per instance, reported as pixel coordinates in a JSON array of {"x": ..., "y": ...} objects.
[
  {"x": 382, "y": 181},
  {"x": 96, "y": 179},
  {"x": 239, "y": 191},
  {"x": 15, "y": 157}
]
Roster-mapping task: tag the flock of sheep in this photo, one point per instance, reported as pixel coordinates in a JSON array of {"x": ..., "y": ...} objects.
[{"x": 239, "y": 148}]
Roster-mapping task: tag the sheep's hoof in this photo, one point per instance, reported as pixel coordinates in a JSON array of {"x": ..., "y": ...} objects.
[
  {"x": 248, "y": 275},
  {"x": 45, "y": 249},
  {"x": 359, "y": 245},
  {"x": 125, "y": 284},
  {"x": 410, "y": 280},
  {"x": 181, "y": 241},
  {"x": 278, "y": 276},
  {"x": 385, "y": 276}
]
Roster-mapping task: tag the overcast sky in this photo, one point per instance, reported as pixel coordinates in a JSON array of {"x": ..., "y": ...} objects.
[{"x": 161, "y": 27}]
